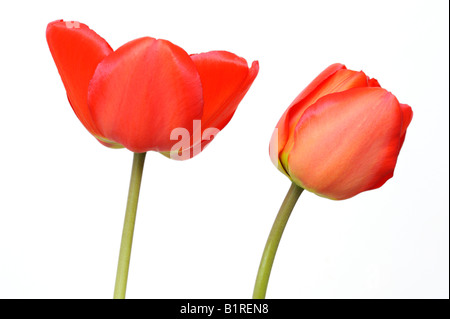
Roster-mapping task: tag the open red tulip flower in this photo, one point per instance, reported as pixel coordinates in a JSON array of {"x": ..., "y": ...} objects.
[
  {"x": 137, "y": 95},
  {"x": 341, "y": 136},
  {"x": 148, "y": 95}
]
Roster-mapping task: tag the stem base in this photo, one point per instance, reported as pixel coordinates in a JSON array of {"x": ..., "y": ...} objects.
[
  {"x": 270, "y": 250},
  {"x": 128, "y": 226}
]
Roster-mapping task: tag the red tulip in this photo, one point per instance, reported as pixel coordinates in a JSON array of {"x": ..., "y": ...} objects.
[
  {"x": 136, "y": 96},
  {"x": 342, "y": 135}
]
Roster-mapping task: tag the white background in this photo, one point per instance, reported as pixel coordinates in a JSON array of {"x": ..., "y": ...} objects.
[{"x": 202, "y": 224}]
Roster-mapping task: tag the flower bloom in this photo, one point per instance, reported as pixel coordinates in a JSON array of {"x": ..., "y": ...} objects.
[
  {"x": 341, "y": 136},
  {"x": 135, "y": 96}
]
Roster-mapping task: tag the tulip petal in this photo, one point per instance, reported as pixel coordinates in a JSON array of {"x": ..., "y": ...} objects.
[
  {"x": 317, "y": 82},
  {"x": 341, "y": 80},
  {"x": 347, "y": 143},
  {"x": 373, "y": 82},
  {"x": 143, "y": 91},
  {"x": 226, "y": 78},
  {"x": 77, "y": 50},
  {"x": 282, "y": 129},
  {"x": 407, "y": 118}
]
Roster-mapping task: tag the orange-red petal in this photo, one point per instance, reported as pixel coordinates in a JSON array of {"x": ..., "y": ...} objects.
[
  {"x": 339, "y": 81},
  {"x": 225, "y": 78},
  {"x": 281, "y": 133},
  {"x": 407, "y": 118},
  {"x": 77, "y": 50},
  {"x": 143, "y": 91},
  {"x": 373, "y": 82},
  {"x": 347, "y": 143}
]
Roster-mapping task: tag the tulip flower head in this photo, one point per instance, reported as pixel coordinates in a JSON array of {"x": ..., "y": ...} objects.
[
  {"x": 149, "y": 92},
  {"x": 341, "y": 136}
]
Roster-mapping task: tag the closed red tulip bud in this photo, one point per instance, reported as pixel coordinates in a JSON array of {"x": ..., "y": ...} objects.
[
  {"x": 137, "y": 95},
  {"x": 341, "y": 136}
]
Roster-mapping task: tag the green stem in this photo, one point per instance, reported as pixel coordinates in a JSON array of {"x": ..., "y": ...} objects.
[
  {"x": 262, "y": 279},
  {"x": 128, "y": 226}
]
